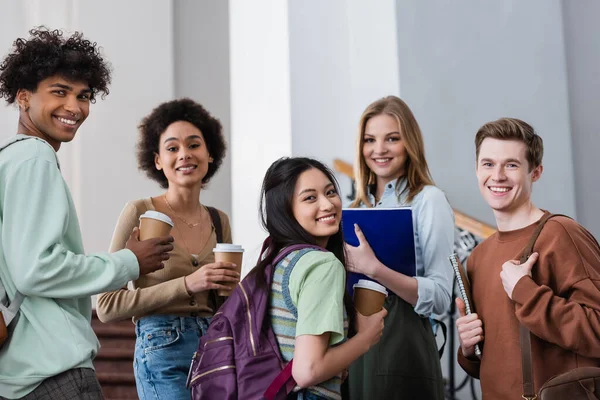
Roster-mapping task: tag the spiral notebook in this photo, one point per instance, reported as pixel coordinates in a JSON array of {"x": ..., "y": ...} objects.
[
  {"x": 465, "y": 290},
  {"x": 389, "y": 232}
]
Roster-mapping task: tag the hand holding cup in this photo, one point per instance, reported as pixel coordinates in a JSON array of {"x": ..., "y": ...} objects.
[
  {"x": 152, "y": 242},
  {"x": 212, "y": 276}
]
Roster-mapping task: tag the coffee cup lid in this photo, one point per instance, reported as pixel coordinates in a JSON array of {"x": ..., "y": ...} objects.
[
  {"x": 228, "y": 248},
  {"x": 158, "y": 216},
  {"x": 366, "y": 284}
]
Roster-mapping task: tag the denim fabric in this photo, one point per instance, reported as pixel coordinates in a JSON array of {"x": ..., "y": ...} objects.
[{"x": 164, "y": 348}]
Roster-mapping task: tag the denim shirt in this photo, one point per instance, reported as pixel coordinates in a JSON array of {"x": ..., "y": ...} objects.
[{"x": 433, "y": 223}]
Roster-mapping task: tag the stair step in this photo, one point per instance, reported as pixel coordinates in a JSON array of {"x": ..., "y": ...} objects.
[
  {"x": 114, "y": 329},
  {"x": 115, "y": 354},
  {"x": 115, "y": 378},
  {"x": 117, "y": 342},
  {"x": 114, "y": 362},
  {"x": 121, "y": 367},
  {"x": 119, "y": 392}
]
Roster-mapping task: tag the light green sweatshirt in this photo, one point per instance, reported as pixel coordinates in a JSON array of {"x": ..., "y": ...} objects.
[{"x": 42, "y": 256}]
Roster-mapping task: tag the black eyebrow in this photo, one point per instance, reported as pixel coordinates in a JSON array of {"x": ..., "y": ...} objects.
[
  {"x": 189, "y": 137},
  {"x": 69, "y": 88},
  {"x": 306, "y": 191},
  {"x": 314, "y": 190}
]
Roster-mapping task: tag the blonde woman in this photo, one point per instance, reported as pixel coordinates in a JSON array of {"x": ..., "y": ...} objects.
[{"x": 391, "y": 171}]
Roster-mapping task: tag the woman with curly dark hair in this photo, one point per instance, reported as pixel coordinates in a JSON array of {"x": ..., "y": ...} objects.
[
  {"x": 49, "y": 351},
  {"x": 181, "y": 146}
]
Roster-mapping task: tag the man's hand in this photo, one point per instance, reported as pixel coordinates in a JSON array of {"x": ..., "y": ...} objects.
[
  {"x": 513, "y": 271},
  {"x": 470, "y": 329},
  {"x": 150, "y": 253}
]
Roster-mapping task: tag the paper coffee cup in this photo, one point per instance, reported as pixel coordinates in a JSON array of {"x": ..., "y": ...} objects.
[
  {"x": 369, "y": 297},
  {"x": 233, "y": 253},
  {"x": 154, "y": 224}
]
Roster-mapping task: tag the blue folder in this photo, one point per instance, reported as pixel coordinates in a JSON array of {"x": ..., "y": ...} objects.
[{"x": 389, "y": 232}]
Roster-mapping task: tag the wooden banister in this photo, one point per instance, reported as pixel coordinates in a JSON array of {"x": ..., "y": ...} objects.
[{"x": 462, "y": 220}]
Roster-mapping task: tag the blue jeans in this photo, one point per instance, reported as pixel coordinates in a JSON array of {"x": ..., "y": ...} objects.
[{"x": 164, "y": 348}]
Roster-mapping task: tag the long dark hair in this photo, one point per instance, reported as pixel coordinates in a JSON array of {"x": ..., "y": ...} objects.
[{"x": 277, "y": 217}]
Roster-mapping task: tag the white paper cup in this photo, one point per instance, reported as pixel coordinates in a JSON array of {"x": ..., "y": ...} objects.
[
  {"x": 154, "y": 224},
  {"x": 369, "y": 296},
  {"x": 233, "y": 253}
]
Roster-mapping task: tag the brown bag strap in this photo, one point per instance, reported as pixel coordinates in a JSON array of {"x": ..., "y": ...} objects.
[
  {"x": 524, "y": 334},
  {"x": 526, "y": 364},
  {"x": 216, "y": 220}
]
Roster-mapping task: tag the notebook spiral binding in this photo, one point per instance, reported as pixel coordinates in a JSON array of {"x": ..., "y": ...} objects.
[{"x": 464, "y": 290}]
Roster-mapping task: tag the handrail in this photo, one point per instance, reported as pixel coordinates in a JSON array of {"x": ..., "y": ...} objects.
[{"x": 463, "y": 221}]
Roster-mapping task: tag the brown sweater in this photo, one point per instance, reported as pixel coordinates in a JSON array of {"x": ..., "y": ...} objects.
[
  {"x": 163, "y": 291},
  {"x": 560, "y": 305}
]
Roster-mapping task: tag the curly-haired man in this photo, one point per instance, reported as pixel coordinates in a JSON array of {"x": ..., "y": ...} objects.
[{"x": 48, "y": 355}]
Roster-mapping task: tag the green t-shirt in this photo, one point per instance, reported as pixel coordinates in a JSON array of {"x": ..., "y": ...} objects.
[{"x": 317, "y": 285}]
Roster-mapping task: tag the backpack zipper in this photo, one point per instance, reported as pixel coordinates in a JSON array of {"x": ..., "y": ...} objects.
[
  {"x": 249, "y": 319},
  {"x": 211, "y": 371},
  {"x": 218, "y": 340},
  {"x": 187, "y": 381}
]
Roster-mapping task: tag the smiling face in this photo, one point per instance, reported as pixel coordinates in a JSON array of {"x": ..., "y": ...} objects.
[
  {"x": 505, "y": 181},
  {"x": 316, "y": 205},
  {"x": 383, "y": 148},
  {"x": 183, "y": 156},
  {"x": 55, "y": 110}
]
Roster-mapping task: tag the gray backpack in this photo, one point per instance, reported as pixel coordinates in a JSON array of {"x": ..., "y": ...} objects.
[{"x": 9, "y": 309}]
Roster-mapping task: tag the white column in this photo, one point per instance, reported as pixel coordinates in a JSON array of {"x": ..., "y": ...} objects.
[
  {"x": 260, "y": 109},
  {"x": 137, "y": 39},
  {"x": 343, "y": 56}
]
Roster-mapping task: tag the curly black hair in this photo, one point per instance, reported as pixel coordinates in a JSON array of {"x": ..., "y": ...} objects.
[
  {"x": 47, "y": 53},
  {"x": 154, "y": 124}
]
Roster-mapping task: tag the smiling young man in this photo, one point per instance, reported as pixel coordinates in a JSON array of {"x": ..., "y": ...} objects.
[
  {"x": 555, "y": 294},
  {"x": 49, "y": 352}
]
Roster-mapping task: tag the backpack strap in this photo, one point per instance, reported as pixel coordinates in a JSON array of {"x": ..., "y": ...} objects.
[
  {"x": 524, "y": 334},
  {"x": 286, "y": 251},
  {"x": 285, "y": 378},
  {"x": 280, "y": 381},
  {"x": 216, "y": 220},
  {"x": 10, "y": 312}
]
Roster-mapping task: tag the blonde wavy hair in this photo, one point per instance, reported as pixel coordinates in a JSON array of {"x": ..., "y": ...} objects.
[{"x": 417, "y": 171}]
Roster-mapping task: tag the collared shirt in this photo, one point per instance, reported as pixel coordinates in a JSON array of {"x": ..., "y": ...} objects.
[{"x": 433, "y": 222}]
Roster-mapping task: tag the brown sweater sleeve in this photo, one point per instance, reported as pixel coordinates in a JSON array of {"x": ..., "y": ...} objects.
[
  {"x": 125, "y": 303},
  {"x": 569, "y": 318},
  {"x": 470, "y": 366}
]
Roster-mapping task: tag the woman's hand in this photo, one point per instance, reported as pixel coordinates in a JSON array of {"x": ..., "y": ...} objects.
[
  {"x": 362, "y": 259},
  {"x": 211, "y": 276},
  {"x": 370, "y": 328}
]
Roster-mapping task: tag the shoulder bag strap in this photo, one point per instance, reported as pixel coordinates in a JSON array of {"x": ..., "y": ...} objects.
[
  {"x": 216, "y": 220},
  {"x": 524, "y": 334}
]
